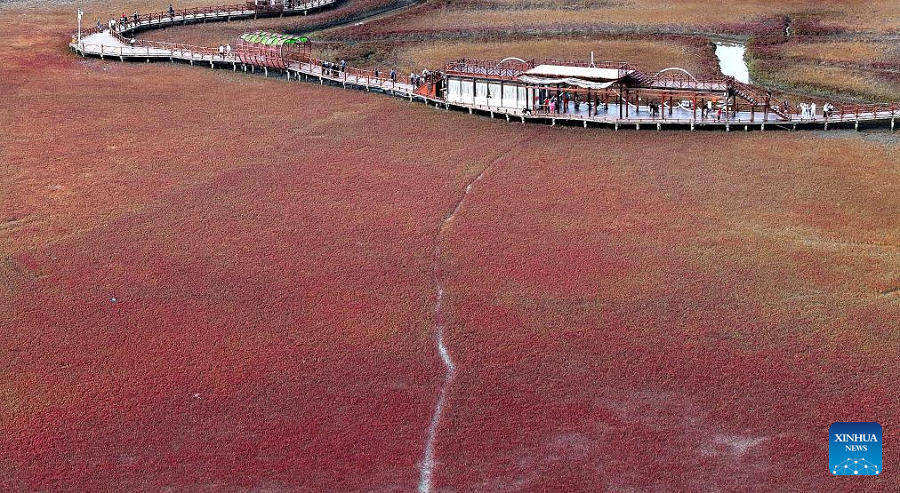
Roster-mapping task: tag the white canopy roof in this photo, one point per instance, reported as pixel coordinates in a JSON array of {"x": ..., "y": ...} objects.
[
  {"x": 565, "y": 71},
  {"x": 569, "y": 81}
]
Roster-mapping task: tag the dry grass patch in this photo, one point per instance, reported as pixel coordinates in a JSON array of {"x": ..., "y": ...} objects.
[
  {"x": 836, "y": 80},
  {"x": 842, "y": 51},
  {"x": 685, "y": 15}
]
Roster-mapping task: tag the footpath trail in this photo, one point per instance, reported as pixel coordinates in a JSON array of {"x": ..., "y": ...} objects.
[{"x": 439, "y": 328}]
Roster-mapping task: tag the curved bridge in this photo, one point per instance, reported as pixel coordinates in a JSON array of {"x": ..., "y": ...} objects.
[{"x": 622, "y": 110}]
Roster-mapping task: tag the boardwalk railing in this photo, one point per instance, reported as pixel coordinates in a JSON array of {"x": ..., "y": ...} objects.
[
  {"x": 327, "y": 69},
  {"x": 171, "y": 49},
  {"x": 489, "y": 68},
  {"x": 166, "y": 18},
  {"x": 865, "y": 111}
]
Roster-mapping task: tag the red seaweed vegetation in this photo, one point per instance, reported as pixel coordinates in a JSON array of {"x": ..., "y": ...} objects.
[{"x": 211, "y": 280}]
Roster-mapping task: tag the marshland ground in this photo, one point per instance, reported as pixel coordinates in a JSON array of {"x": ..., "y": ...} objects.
[{"x": 211, "y": 280}]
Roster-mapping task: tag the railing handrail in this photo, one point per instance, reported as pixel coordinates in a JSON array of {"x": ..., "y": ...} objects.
[{"x": 147, "y": 19}]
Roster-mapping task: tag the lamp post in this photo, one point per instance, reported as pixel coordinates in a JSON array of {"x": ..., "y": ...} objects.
[{"x": 80, "y": 15}]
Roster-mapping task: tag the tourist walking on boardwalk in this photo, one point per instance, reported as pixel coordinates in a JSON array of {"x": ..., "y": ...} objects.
[
  {"x": 812, "y": 111},
  {"x": 171, "y": 11},
  {"x": 393, "y": 76},
  {"x": 553, "y": 105},
  {"x": 228, "y": 49},
  {"x": 135, "y": 17},
  {"x": 343, "y": 65},
  {"x": 222, "y": 51}
]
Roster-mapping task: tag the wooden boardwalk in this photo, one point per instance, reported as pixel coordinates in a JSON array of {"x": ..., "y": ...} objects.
[{"x": 114, "y": 44}]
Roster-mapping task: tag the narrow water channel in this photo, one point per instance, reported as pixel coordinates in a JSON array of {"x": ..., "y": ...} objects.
[{"x": 732, "y": 62}]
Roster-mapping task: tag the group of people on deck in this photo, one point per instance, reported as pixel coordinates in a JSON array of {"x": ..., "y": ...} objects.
[
  {"x": 417, "y": 80},
  {"x": 123, "y": 20},
  {"x": 808, "y": 111},
  {"x": 332, "y": 69}
]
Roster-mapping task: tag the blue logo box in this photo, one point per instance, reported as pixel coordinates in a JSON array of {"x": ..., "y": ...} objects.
[{"x": 854, "y": 449}]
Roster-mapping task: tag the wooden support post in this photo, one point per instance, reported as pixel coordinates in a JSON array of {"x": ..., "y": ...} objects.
[
  {"x": 620, "y": 105},
  {"x": 695, "y": 111}
]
